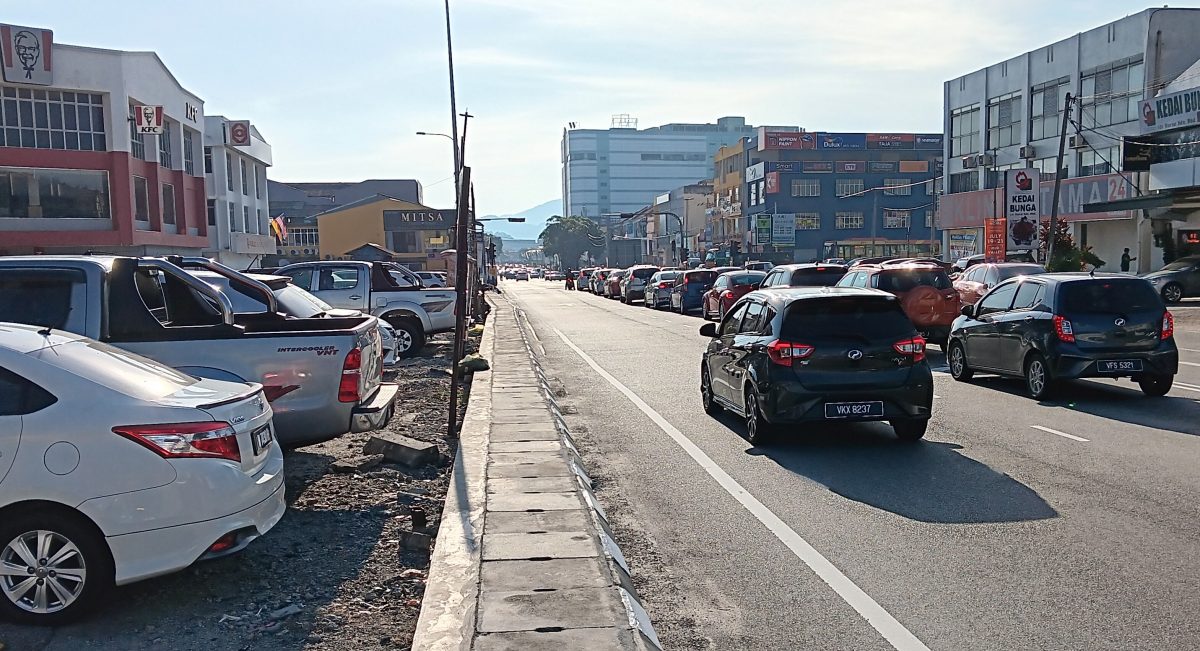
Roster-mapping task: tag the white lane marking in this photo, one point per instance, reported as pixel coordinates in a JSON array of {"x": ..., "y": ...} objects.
[
  {"x": 1191, "y": 350},
  {"x": 892, "y": 630},
  {"x": 1189, "y": 387},
  {"x": 936, "y": 397},
  {"x": 1189, "y": 363},
  {"x": 1062, "y": 434}
]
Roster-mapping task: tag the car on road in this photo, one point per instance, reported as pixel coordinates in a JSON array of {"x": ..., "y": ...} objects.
[
  {"x": 1062, "y": 326},
  {"x": 658, "y": 287},
  {"x": 432, "y": 279},
  {"x": 785, "y": 357},
  {"x": 962, "y": 264},
  {"x": 596, "y": 282},
  {"x": 633, "y": 283},
  {"x": 583, "y": 278},
  {"x": 115, "y": 468},
  {"x": 1178, "y": 280},
  {"x": 924, "y": 289},
  {"x": 726, "y": 290},
  {"x": 687, "y": 294},
  {"x": 612, "y": 284},
  {"x": 976, "y": 281},
  {"x": 521, "y": 274},
  {"x": 809, "y": 274},
  {"x": 756, "y": 265}
]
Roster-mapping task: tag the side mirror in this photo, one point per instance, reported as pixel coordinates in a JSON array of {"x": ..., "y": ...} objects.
[
  {"x": 708, "y": 330},
  {"x": 968, "y": 311}
]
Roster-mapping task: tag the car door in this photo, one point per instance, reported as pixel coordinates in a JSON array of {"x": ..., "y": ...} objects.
[
  {"x": 712, "y": 297},
  {"x": 18, "y": 398},
  {"x": 969, "y": 287},
  {"x": 746, "y": 343},
  {"x": 982, "y": 341},
  {"x": 341, "y": 286},
  {"x": 302, "y": 277},
  {"x": 1016, "y": 327},
  {"x": 721, "y": 353}
]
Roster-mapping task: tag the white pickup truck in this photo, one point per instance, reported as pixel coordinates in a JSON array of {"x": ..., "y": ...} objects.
[
  {"x": 323, "y": 376},
  {"x": 383, "y": 289}
]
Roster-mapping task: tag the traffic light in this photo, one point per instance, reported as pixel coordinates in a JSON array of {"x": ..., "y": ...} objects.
[{"x": 735, "y": 246}]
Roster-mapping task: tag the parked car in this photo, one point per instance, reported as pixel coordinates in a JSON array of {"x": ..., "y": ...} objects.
[
  {"x": 323, "y": 377},
  {"x": 817, "y": 354},
  {"x": 758, "y": 266},
  {"x": 811, "y": 274},
  {"x": 596, "y": 282},
  {"x": 925, "y": 291},
  {"x": 962, "y": 264},
  {"x": 976, "y": 281},
  {"x": 612, "y": 284},
  {"x": 726, "y": 290},
  {"x": 115, "y": 468},
  {"x": 841, "y": 261},
  {"x": 687, "y": 293},
  {"x": 431, "y": 279},
  {"x": 521, "y": 274},
  {"x": 633, "y": 283},
  {"x": 584, "y": 278},
  {"x": 1178, "y": 280},
  {"x": 1063, "y": 326},
  {"x": 658, "y": 288}
]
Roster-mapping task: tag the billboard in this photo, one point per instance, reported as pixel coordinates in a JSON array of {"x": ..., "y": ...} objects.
[
  {"x": 1021, "y": 200},
  {"x": 850, "y": 166},
  {"x": 891, "y": 140},
  {"x": 772, "y": 184},
  {"x": 970, "y": 209},
  {"x": 783, "y": 229},
  {"x": 842, "y": 140},
  {"x": 26, "y": 54},
  {"x": 786, "y": 140}
]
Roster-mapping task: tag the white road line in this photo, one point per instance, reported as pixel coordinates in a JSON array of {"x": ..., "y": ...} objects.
[
  {"x": 1191, "y": 350},
  {"x": 1189, "y": 363},
  {"x": 892, "y": 630},
  {"x": 1189, "y": 387},
  {"x": 936, "y": 397},
  {"x": 1062, "y": 434}
]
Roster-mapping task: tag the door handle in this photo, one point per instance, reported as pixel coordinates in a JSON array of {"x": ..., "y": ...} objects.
[
  {"x": 355, "y": 297},
  {"x": 1029, "y": 318}
]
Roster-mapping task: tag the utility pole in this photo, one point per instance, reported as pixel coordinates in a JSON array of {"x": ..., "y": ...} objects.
[
  {"x": 460, "y": 299},
  {"x": 874, "y": 220},
  {"x": 1058, "y": 173},
  {"x": 453, "y": 108}
]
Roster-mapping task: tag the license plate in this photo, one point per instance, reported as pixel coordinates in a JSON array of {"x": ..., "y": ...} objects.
[
  {"x": 1119, "y": 366},
  {"x": 262, "y": 438},
  {"x": 853, "y": 409}
]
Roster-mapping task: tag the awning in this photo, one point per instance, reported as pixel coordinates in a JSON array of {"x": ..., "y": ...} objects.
[{"x": 1168, "y": 204}]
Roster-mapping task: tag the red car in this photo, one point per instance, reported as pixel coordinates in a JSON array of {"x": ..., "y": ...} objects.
[
  {"x": 925, "y": 291},
  {"x": 727, "y": 289},
  {"x": 973, "y": 283}
]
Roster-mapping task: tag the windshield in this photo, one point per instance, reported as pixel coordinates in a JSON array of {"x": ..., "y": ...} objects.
[
  {"x": 1117, "y": 296},
  {"x": 817, "y": 277},
  {"x": 703, "y": 277},
  {"x": 296, "y": 302},
  {"x": 906, "y": 280},
  {"x": 644, "y": 273}
]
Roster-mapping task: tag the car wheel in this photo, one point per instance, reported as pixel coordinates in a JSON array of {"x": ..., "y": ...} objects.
[
  {"x": 706, "y": 395},
  {"x": 910, "y": 430},
  {"x": 410, "y": 336},
  {"x": 1156, "y": 385},
  {"x": 57, "y": 567},
  {"x": 758, "y": 430},
  {"x": 1172, "y": 293},
  {"x": 1038, "y": 382},
  {"x": 957, "y": 357},
  {"x": 625, "y": 299}
]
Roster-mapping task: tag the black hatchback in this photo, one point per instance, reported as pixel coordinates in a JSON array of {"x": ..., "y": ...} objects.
[
  {"x": 1062, "y": 326},
  {"x": 817, "y": 354}
]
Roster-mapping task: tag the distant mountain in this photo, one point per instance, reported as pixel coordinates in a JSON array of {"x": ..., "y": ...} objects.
[{"x": 535, "y": 221}]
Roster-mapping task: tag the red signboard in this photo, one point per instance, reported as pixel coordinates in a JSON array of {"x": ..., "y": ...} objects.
[
  {"x": 970, "y": 209},
  {"x": 890, "y": 140},
  {"x": 786, "y": 140},
  {"x": 772, "y": 183},
  {"x": 995, "y": 239}
]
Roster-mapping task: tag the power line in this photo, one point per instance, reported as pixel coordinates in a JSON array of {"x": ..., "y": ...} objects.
[{"x": 1112, "y": 167}]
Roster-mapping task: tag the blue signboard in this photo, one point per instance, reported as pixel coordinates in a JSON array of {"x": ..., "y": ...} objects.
[
  {"x": 928, "y": 141},
  {"x": 841, "y": 141},
  {"x": 787, "y": 167}
]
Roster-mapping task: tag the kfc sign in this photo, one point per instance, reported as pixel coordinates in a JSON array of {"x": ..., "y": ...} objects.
[
  {"x": 148, "y": 120},
  {"x": 27, "y": 54}
]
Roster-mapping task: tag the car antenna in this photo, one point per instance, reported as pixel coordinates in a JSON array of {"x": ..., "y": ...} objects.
[
  {"x": 1092, "y": 273},
  {"x": 45, "y": 332}
]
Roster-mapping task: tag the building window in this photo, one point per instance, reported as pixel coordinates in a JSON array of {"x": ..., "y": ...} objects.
[
  {"x": 928, "y": 219},
  {"x": 1111, "y": 93},
  {"x": 1046, "y": 102},
  {"x": 1098, "y": 161},
  {"x": 895, "y": 218},
  {"x": 995, "y": 174},
  {"x": 245, "y": 185},
  {"x": 806, "y": 188},
  {"x": 1046, "y": 167},
  {"x": 848, "y": 220},
  {"x": 168, "y": 203},
  {"x": 208, "y": 160},
  {"x": 808, "y": 221},
  {"x": 964, "y": 130},
  {"x": 189, "y": 152},
  {"x": 257, "y": 193},
  {"x": 137, "y": 142},
  {"x": 302, "y": 237},
  {"x": 41, "y": 119},
  {"x": 36, "y": 193},
  {"x": 141, "y": 199},
  {"x": 246, "y": 219},
  {"x": 212, "y": 212},
  {"x": 964, "y": 182},
  {"x": 849, "y": 186},
  {"x": 262, "y": 220},
  {"x": 164, "y": 146},
  {"x": 232, "y": 218},
  {"x": 228, "y": 171},
  {"x": 1004, "y": 120},
  {"x": 897, "y": 187}
]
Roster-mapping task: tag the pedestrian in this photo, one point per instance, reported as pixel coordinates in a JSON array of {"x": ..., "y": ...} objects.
[{"x": 1125, "y": 260}]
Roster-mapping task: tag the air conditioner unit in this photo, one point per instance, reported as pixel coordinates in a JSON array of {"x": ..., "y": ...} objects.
[
  {"x": 986, "y": 160},
  {"x": 1028, "y": 152},
  {"x": 969, "y": 162},
  {"x": 1077, "y": 142}
]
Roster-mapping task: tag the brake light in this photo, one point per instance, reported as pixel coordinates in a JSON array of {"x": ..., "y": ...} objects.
[
  {"x": 1168, "y": 327},
  {"x": 728, "y": 295},
  {"x": 664, "y": 285},
  {"x": 914, "y": 348},
  {"x": 351, "y": 370},
  {"x": 783, "y": 352},
  {"x": 1062, "y": 328},
  {"x": 205, "y": 440}
]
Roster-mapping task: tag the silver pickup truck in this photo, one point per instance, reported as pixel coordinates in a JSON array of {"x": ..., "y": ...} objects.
[
  {"x": 383, "y": 289},
  {"x": 323, "y": 377}
]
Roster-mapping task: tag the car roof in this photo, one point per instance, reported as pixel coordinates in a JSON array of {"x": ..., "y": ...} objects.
[
  {"x": 1077, "y": 276},
  {"x": 738, "y": 272},
  {"x": 902, "y": 266},
  {"x": 25, "y": 339},
  {"x": 809, "y": 265},
  {"x": 777, "y": 295}
]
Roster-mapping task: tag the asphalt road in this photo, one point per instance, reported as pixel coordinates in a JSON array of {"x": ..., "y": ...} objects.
[{"x": 1066, "y": 524}]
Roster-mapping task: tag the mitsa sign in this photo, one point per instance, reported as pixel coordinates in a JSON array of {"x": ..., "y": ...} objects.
[{"x": 1021, "y": 192}]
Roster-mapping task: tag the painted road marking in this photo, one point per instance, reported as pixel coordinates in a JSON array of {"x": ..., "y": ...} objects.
[
  {"x": 1062, "y": 434},
  {"x": 881, "y": 620},
  {"x": 936, "y": 397},
  {"x": 1189, "y": 387},
  {"x": 1189, "y": 363},
  {"x": 1191, "y": 350}
]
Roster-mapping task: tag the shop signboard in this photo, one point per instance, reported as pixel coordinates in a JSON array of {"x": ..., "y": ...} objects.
[
  {"x": 786, "y": 167},
  {"x": 239, "y": 133},
  {"x": 994, "y": 239},
  {"x": 881, "y": 167},
  {"x": 850, "y": 166},
  {"x": 418, "y": 220},
  {"x": 783, "y": 229},
  {"x": 962, "y": 244},
  {"x": 969, "y": 209},
  {"x": 914, "y": 166},
  {"x": 772, "y": 183},
  {"x": 817, "y": 166},
  {"x": 786, "y": 140},
  {"x": 1171, "y": 111},
  {"x": 927, "y": 141},
  {"x": 891, "y": 140},
  {"x": 756, "y": 172},
  {"x": 1021, "y": 201},
  {"x": 842, "y": 140},
  {"x": 148, "y": 120},
  {"x": 762, "y": 229},
  {"x": 27, "y": 55}
]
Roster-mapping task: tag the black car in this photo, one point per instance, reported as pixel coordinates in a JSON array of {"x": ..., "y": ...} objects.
[
  {"x": 817, "y": 354},
  {"x": 1061, "y": 326},
  {"x": 814, "y": 274}
]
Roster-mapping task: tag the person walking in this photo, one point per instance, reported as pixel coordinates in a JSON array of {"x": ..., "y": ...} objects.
[{"x": 1125, "y": 260}]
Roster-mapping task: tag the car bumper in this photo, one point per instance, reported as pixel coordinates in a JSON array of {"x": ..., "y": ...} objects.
[
  {"x": 635, "y": 293},
  {"x": 789, "y": 402},
  {"x": 1074, "y": 363},
  {"x": 373, "y": 413}
]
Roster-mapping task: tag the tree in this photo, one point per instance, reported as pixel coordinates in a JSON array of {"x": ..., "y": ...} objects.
[
  {"x": 569, "y": 238},
  {"x": 1067, "y": 256}
]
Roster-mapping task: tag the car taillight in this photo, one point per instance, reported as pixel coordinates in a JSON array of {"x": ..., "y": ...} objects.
[
  {"x": 351, "y": 368},
  {"x": 206, "y": 440},
  {"x": 663, "y": 285},
  {"x": 914, "y": 348},
  {"x": 727, "y": 295},
  {"x": 783, "y": 352},
  {"x": 1062, "y": 328},
  {"x": 1168, "y": 328}
]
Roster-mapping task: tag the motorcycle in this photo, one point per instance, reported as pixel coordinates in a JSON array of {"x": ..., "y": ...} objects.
[{"x": 570, "y": 283}]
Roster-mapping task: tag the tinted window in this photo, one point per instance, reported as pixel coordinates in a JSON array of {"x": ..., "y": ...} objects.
[
  {"x": 703, "y": 277},
  {"x": 998, "y": 300},
  {"x": 753, "y": 321},
  {"x": 905, "y": 280},
  {"x": 39, "y": 297},
  {"x": 730, "y": 324},
  {"x": 338, "y": 278},
  {"x": 816, "y": 277},
  {"x": 845, "y": 317},
  {"x": 1015, "y": 270},
  {"x": 302, "y": 277},
  {"x": 643, "y": 273},
  {"x": 1028, "y": 295},
  {"x": 744, "y": 280},
  {"x": 19, "y": 396},
  {"x": 1108, "y": 295}
]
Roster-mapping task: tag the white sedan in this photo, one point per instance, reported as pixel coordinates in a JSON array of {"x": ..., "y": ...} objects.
[{"x": 115, "y": 468}]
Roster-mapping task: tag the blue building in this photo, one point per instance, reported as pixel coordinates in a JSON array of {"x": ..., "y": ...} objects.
[{"x": 848, "y": 194}]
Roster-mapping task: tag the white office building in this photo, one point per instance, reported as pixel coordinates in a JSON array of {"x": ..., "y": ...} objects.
[{"x": 236, "y": 182}]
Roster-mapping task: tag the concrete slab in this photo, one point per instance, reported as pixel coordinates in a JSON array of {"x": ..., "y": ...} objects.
[
  {"x": 547, "y": 468},
  {"x": 524, "y": 433},
  {"x": 559, "y": 484},
  {"x": 526, "y": 446},
  {"x": 552, "y": 544},
  {"x": 510, "y": 458},
  {"x": 569, "y": 608},
  {"x": 528, "y": 501},
  {"x": 524, "y": 416},
  {"x": 520, "y": 576},
  {"x": 593, "y": 639},
  {"x": 523, "y": 522}
]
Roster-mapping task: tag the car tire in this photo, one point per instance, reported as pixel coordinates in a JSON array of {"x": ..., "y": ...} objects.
[
  {"x": 1038, "y": 383},
  {"x": 706, "y": 395},
  {"x": 1156, "y": 386},
  {"x": 1172, "y": 293},
  {"x": 410, "y": 336},
  {"x": 92, "y": 556},
  {"x": 911, "y": 429},
  {"x": 956, "y": 357},
  {"x": 758, "y": 431}
]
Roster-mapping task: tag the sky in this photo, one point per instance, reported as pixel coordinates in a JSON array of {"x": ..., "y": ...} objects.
[{"x": 339, "y": 88}]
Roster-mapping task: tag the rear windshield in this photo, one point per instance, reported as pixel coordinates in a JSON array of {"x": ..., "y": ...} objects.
[
  {"x": 701, "y": 276},
  {"x": 1020, "y": 270},
  {"x": 668, "y": 275},
  {"x": 1119, "y": 296},
  {"x": 644, "y": 273},
  {"x": 743, "y": 280},
  {"x": 904, "y": 280},
  {"x": 857, "y": 317},
  {"x": 825, "y": 277}
]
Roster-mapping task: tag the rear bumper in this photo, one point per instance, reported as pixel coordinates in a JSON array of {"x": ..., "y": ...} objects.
[
  {"x": 789, "y": 402},
  {"x": 1072, "y": 363},
  {"x": 372, "y": 413},
  {"x": 635, "y": 293}
]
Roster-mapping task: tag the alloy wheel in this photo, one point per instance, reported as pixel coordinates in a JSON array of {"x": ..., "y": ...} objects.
[
  {"x": 404, "y": 340},
  {"x": 1172, "y": 293},
  {"x": 42, "y": 571},
  {"x": 1035, "y": 377}
]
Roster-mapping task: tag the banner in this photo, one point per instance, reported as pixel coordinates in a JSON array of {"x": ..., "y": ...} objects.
[
  {"x": 994, "y": 239},
  {"x": 842, "y": 140},
  {"x": 1021, "y": 201},
  {"x": 850, "y": 166},
  {"x": 762, "y": 229},
  {"x": 962, "y": 244},
  {"x": 772, "y": 184},
  {"x": 783, "y": 229}
]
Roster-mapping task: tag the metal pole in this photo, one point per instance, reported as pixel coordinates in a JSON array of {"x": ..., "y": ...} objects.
[
  {"x": 453, "y": 108},
  {"x": 460, "y": 300},
  {"x": 874, "y": 220},
  {"x": 1058, "y": 173}
]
